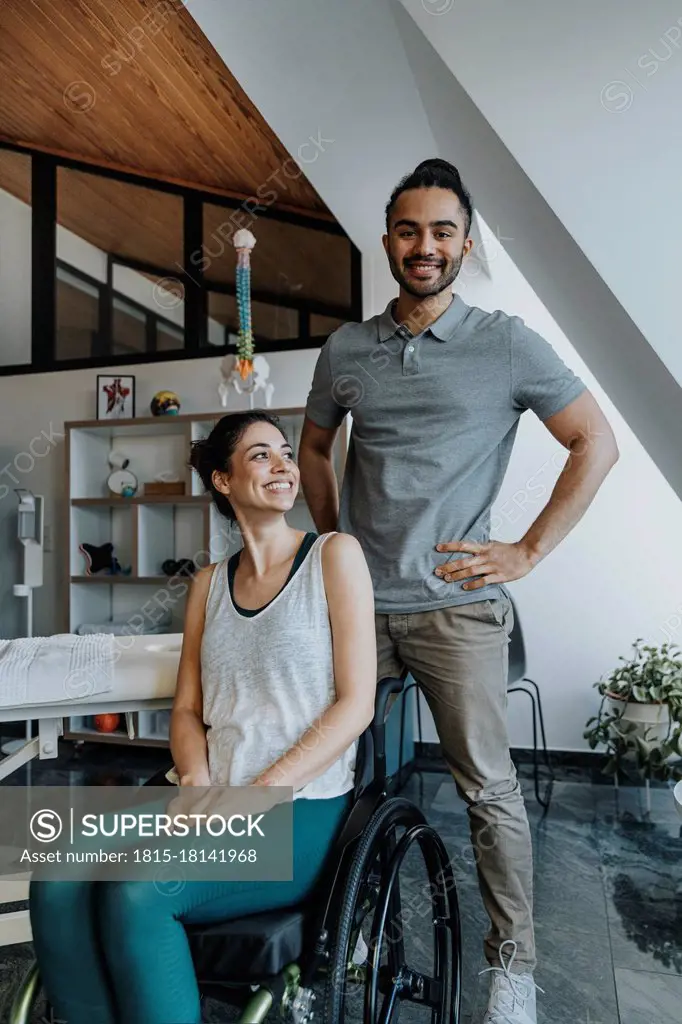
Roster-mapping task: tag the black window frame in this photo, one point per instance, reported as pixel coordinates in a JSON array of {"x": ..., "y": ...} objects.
[{"x": 44, "y": 263}]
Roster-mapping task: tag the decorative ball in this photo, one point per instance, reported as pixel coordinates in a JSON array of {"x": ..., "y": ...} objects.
[
  {"x": 165, "y": 403},
  {"x": 106, "y": 723}
]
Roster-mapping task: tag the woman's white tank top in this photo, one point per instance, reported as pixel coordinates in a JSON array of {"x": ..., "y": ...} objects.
[{"x": 266, "y": 678}]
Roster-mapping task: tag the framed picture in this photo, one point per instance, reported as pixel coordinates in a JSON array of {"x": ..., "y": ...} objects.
[{"x": 115, "y": 397}]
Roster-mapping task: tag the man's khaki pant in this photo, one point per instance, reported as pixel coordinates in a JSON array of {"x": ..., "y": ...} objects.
[{"x": 458, "y": 657}]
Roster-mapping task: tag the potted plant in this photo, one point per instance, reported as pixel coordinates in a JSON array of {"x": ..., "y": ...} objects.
[{"x": 640, "y": 717}]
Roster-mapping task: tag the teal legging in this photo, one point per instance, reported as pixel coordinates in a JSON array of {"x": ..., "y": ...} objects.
[{"x": 117, "y": 952}]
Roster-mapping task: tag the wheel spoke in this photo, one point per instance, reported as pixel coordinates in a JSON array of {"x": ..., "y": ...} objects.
[
  {"x": 396, "y": 945},
  {"x": 390, "y": 1004}
]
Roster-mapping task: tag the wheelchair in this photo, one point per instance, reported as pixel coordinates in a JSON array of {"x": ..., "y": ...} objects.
[{"x": 347, "y": 940}]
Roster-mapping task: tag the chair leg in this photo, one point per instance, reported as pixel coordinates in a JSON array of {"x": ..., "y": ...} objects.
[
  {"x": 536, "y": 775},
  {"x": 535, "y": 749},
  {"x": 545, "y": 751},
  {"x": 24, "y": 1000}
]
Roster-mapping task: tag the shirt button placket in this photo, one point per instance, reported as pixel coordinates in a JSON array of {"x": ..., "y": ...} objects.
[{"x": 410, "y": 361}]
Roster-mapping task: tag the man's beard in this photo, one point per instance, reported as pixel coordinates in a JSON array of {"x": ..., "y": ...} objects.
[{"x": 425, "y": 289}]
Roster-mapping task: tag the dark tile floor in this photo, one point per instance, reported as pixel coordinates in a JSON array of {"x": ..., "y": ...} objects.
[{"x": 608, "y": 892}]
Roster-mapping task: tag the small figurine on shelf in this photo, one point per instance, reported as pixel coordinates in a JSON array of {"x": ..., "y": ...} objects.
[
  {"x": 100, "y": 561},
  {"x": 181, "y": 567},
  {"x": 121, "y": 481},
  {"x": 165, "y": 403}
]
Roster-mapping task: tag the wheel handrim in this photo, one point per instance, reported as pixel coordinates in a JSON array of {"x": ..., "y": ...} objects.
[{"x": 407, "y": 984}]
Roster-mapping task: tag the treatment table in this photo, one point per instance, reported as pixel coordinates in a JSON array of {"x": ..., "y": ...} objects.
[{"x": 145, "y": 676}]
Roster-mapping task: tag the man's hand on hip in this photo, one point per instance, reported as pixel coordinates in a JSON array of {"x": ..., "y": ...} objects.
[{"x": 493, "y": 562}]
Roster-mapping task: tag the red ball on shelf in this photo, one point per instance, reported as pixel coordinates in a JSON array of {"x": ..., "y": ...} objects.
[{"x": 107, "y": 723}]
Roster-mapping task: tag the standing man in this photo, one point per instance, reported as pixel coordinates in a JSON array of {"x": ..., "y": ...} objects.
[{"x": 436, "y": 389}]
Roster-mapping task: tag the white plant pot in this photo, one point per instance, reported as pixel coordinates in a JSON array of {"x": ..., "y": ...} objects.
[{"x": 652, "y": 719}]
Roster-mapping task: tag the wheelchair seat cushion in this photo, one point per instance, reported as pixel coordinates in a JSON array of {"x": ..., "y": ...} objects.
[{"x": 248, "y": 949}]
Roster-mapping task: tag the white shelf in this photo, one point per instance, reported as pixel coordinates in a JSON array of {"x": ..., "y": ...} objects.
[{"x": 147, "y": 530}]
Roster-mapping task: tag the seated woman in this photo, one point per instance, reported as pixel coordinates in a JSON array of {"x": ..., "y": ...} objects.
[{"x": 276, "y": 682}]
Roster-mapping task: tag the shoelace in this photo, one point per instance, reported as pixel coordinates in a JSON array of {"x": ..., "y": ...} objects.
[{"x": 517, "y": 987}]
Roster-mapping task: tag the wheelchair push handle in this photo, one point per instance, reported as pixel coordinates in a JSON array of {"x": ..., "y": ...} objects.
[{"x": 385, "y": 688}]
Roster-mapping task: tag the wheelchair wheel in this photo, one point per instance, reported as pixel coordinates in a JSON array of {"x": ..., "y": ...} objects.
[{"x": 368, "y": 978}]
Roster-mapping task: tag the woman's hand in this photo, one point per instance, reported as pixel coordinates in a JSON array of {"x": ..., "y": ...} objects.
[
  {"x": 191, "y": 798},
  {"x": 200, "y": 778},
  {"x": 225, "y": 801}
]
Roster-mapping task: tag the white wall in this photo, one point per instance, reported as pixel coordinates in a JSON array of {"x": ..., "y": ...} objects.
[
  {"x": 618, "y": 353},
  {"x": 586, "y": 97},
  {"x": 15, "y": 281}
]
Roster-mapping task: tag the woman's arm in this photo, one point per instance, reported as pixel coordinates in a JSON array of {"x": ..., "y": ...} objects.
[
  {"x": 350, "y": 598},
  {"x": 187, "y": 729}
]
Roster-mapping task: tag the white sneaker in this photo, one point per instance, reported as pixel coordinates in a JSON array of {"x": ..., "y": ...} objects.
[{"x": 512, "y": 996}]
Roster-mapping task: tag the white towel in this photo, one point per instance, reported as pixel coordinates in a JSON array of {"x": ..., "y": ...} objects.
[
  {"x": 51, "y": 669},
  {"x": 122, "y": 627}
]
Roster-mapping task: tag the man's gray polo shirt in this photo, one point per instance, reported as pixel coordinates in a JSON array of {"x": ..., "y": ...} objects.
[{"x": 434, "y": 421}]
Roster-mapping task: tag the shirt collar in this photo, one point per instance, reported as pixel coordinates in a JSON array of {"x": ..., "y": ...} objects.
[{"x": 443, "y": 328}]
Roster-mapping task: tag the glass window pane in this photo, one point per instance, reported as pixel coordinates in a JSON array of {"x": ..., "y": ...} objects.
[
  {"x": 129, "y": 328},
  {"x": 323, "y": 325},
  {"x": 287, "y": 259},
  {"x": 162, "y": 297},
  {"x": 15, "y": 258},
  {"x": 270, "y": 323},
  {"x": 102, "y": 215},
  {"x": 77, "y": 316},
  {"x": 222, "y": 312},
  {"x": 168, "y": 338},
  {"x": 274, "y": 322}
]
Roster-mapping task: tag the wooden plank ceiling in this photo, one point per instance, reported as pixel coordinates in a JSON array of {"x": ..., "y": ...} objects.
[
  {"x": 135, "y": 85},
  {"x": 171, "y": 111}
]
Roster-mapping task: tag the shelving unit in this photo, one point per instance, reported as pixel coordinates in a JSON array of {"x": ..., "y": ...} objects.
[{"x": 147, "y": 530}]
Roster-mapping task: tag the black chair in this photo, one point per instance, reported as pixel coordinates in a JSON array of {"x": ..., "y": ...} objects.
[
  {"x": 348, "y": 931},
  {"x": 515, "y": 684}
]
